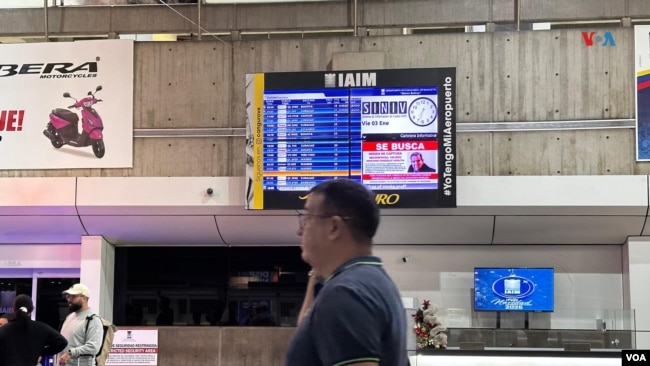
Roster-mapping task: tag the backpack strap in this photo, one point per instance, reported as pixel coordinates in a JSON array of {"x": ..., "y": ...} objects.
[{"x": 88, "y": 319}]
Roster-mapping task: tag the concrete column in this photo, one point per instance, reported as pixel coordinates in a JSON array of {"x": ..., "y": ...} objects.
[
  {"x": 636, "y": 271},
  {"x": 98, "y": 273}
]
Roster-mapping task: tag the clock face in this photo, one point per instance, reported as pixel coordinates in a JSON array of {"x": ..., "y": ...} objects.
[{"x": 423, "y": 111}]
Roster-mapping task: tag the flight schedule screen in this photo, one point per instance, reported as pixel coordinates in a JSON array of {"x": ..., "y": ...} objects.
[
  {"x": 307, "y": 128},
  {"x": 308, "y": 138}
]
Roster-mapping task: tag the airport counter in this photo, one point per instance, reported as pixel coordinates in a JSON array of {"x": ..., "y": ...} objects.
[
  {"x": 232, "y": 346},
  {"x": 245, "y": 346},
  {"x": 516, "y": 357}
]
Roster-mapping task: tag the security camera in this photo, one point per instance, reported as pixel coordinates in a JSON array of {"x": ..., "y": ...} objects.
[
  {"x": 405, "y": 259},
  {"x": 209, "y": 191}
]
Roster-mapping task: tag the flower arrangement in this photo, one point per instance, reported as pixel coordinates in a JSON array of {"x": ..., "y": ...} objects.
[{"x": 429, "y": 332}]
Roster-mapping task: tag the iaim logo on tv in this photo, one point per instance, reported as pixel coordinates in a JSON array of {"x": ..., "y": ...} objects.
[
  {"x": 350, "y": 79},
  {"x": 635, "y": 356},
  {"x": 330, "y": 80},
  {"x": 513, "y": 287}
]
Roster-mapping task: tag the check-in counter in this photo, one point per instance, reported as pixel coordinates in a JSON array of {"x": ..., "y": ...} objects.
[{"x": 516, "y": 357}]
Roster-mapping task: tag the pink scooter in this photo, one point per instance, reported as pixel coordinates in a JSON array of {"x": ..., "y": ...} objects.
[{"x": 63, "y": 127}]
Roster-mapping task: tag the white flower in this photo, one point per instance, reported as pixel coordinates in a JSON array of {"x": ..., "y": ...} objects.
[
  {"x": 428, "y": 311},
  {"x": 430, "y": 319}
]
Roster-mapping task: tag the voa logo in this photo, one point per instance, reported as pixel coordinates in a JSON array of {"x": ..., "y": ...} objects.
[
  {"x": 347, "y": 79},
  {"x": 635, "y": 357},
  {"x": 591, "y": 38}
]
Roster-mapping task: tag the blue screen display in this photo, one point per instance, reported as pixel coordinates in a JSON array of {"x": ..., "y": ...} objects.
[{"x": 513, "y": 289}]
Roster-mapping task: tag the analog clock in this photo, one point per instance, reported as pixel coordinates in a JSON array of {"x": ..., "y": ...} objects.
[{"x": 423, "y": 111}]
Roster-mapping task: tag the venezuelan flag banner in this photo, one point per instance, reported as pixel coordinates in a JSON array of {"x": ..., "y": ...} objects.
[{"x": 642, "y": 75}]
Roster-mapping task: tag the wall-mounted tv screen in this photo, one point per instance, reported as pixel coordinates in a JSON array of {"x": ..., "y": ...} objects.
[
  {"x": 513, "y": 289},
  {"x": 391, "y": 130}
]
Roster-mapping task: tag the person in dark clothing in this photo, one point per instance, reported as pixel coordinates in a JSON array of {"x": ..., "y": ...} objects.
[
  {"x": 23, "y": 340},
  {"x": 134, "y": 314},
  {"x": 229, "y": 316},
  {"x": 252, "y": 311},
  {"x": 356, "y": 317},
  {"x": 263, "y": 317},
  {"x": 166, "y": 315}
]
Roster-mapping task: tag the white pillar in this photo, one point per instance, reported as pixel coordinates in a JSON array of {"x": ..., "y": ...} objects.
[
  {"x": 636, "y": 271},
  {"x": 98, "y": 273}
]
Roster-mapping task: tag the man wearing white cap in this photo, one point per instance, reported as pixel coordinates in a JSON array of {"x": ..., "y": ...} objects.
[{"x": 83, "y": 342}]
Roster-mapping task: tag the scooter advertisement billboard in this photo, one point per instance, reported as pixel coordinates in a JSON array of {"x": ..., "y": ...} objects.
[{"x": 66, "y": 105}]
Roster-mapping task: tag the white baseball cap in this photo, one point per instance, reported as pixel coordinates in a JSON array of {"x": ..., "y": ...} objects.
[{"x": 78, "y": 289}]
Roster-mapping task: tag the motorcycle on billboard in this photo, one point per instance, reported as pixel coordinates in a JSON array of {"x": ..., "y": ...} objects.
[{"x": 63, "y": 126}]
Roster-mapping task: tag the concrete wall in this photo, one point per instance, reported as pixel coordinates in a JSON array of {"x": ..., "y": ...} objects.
[
  {"x": 308, "y": 16},
  {"x": 517, "y": 77}
]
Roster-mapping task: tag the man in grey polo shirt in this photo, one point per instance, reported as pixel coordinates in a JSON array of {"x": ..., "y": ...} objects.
[
  {"x": 83, "y": 342},
  {"x": 352, "y": 313}
]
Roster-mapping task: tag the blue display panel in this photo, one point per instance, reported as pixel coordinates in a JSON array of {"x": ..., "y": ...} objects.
[
  {"x": 513, "y": 289},
  {"x": 307, "y": 138}
]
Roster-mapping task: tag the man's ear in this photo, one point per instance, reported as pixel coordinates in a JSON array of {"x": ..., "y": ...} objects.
[{"x": 336, "y": 227}]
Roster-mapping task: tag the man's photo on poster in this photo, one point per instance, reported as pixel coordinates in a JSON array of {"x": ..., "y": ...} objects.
[{"x": 422, "y": 162}]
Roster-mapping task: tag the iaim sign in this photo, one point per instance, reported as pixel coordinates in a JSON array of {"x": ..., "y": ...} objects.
[{"x": 350, "y": 79}]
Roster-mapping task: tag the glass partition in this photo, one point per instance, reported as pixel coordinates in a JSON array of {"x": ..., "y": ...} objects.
[
  {"x": 577, "y": 319},
  {"x": 599, "y": 328}
]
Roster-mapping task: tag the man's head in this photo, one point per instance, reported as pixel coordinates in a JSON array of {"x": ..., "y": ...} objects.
[
  {"x": 77, "y": 297},
  {"x": 417, "y": 161},
  {"x": 339, "y": 214}
]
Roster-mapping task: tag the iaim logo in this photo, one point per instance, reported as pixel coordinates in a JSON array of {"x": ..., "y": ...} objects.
[
  {"x": 591, "y": 38},
  {"x": 330, "y": 80},
  {"x": 513, "y": 287},
  {"x": 348, "y": 79}
]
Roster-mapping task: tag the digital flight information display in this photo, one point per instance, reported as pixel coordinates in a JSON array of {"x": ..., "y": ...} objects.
[
  {"x": 392, "y": 130},
  {"x": 308, "y": 138}
]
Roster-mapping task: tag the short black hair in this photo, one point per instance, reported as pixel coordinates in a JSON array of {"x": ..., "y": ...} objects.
[
  {"x": 23, "y": 301},
  {"x": 23, "y": 306},
  {"x": 352, "y": 200}
]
